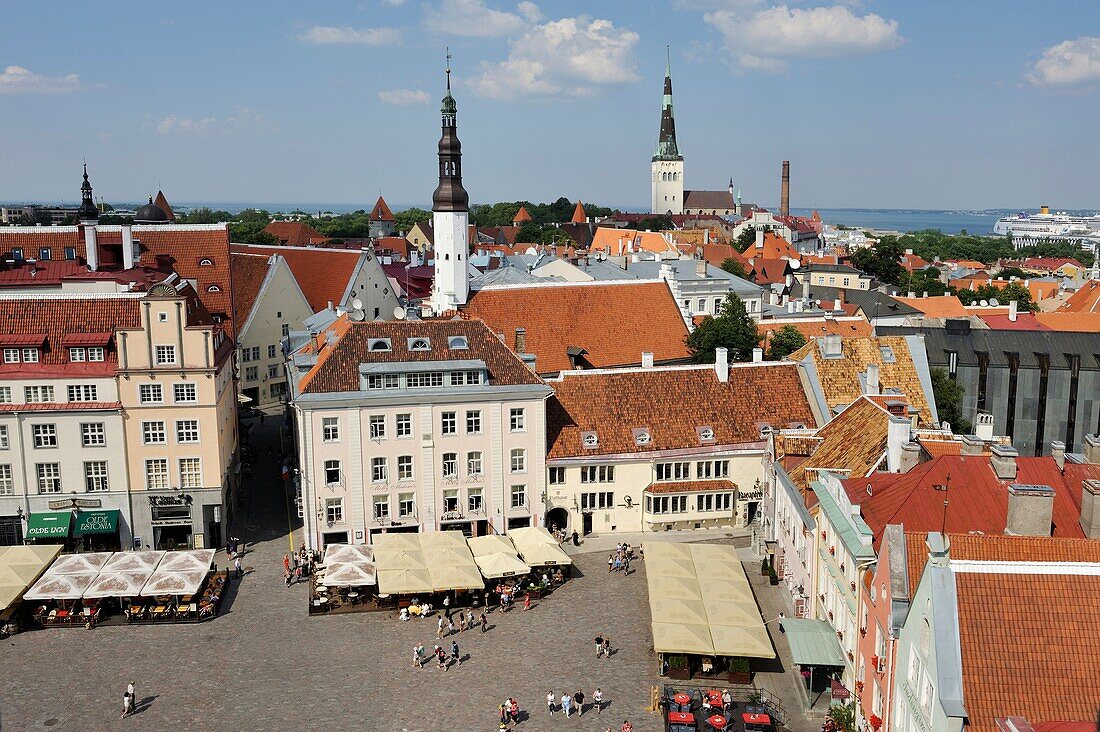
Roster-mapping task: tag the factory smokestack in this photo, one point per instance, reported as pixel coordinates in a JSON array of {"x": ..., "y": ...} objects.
[{"x": 785, "y": 193}]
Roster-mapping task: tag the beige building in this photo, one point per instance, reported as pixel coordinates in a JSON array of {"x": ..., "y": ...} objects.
[
  {"x": 663, "y": 448},
  {"x": 410, "y": 426}
]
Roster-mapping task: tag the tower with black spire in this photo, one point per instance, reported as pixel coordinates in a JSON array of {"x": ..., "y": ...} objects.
[
  {"x": 667, "y": 168},
  {"x": 450, "y": 214},
  {"x": 87, "y": 211}
]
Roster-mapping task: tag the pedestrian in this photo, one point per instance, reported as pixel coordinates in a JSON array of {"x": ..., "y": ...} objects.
[
  {"x": 527, "y": 602},
  {"x": 610, "y": 563},
  {"x": 133, "y": 694},
  {"x": 550, "y": 702},
  {"x": 599, "y": 646},
  {"x": 286, "y": 577},
  {"x": 627, "y": 727},
  {"x": 513, "y": 709},
  {"x": 470, "y": 619},
  {"x": 416, "y": 657},
  {"x": 420, "y": 654},
  {"x": 447, "y": 606},
  {"x": 578, "y": 699},
  {"x": 127, "y": 705},
  {"x": 782, "y": 617},
  {"x": 439, "y": 629},
  {"x": 461, "y": 622},
  {"x": 607, "y": 646},
  {"x": 727, "y": 700},
  {"x": 597, "y": 700},
  {"x": 237, "y": 566},
  {"x": 455, "y": 655},
  {"x": 286, "y": 563},
  {"x": 484, "y": 623},
  {"x": 566, "y": 704},
  {"x": 626, "y": 564},
  {"x": 450, "y": 626},
  {"x": 502, "y": 713},
  {"x": 441, "y": 656}
]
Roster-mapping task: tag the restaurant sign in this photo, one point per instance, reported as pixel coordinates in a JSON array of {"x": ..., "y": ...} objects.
[
  {"x": 75, "y": 503},
  {"x": 183, "y": 500},
  {"x": 839, "y": 693},
  {"x": 750, "y": 494}
]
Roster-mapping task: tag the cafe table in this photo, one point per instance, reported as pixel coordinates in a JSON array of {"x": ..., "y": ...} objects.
[
  {"x": 354, "y": 597},
  {"x": 681, "y": 718}
]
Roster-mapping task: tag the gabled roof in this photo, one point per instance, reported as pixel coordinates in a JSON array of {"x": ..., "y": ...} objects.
[
  {"x": 913, "y": 262},
  {"x": 249, "y": 273},
  {"x": 940, "y": 306},
  {"x": 295, "y": 233},
  {"x": 381, "y": 211},
  {"x": 337, "y": 368},
  {"x": 579, "y": 216},
  {"x": 1067, "y": 321},
  {"x": 1051, "y": 263},
  {"x": 162, "y": 203},
  {"x": 715, "y": 254},
  {"x": 852, "y": 444},
  {"x": 847, "y": 326},
  {"x": 323, "y": 274},
  {"x": 770, "y": 271},
  {"x": 615, "y": 403},
  {"x": 713, "y": 200},
  {"x": 612, "y": 322},
  {"x": 773, "y": 247},
  {"x": 1085, "y": 300},
  {"x": 521, "y": 216},
  {"x": 620, "y": 241}
]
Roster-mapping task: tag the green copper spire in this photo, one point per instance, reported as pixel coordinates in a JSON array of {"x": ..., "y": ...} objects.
[{"x": 667, "y": 149}]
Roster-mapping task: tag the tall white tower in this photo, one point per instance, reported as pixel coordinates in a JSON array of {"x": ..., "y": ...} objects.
[
  {"x": 450, "y": 215},
  {"x": 667, "y": 168}
]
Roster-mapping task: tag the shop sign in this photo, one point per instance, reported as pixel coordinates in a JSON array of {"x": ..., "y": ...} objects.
[
  {"x": 171, "y": 522},
  {"x": 75, "y": 503},
  {"x": 183, "y": 500},
  {"x": 839, "y": 693},
  {"x": 750, "y": 494}
]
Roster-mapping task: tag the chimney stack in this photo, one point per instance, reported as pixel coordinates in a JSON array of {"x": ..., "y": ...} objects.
[
  {"x": 1090, "y": 508},
  {"x": 760, "y": 237},
  {"x": 758, "y": 355},
  {"x": 1003, "y": 462},
  {"x": 700, "y": 268},
  {"x": 785, "y": 193},
  {"x": 837, "y": 304},
  {"x": 1030, "y": 508},
  {"x": 1012, "y": 311},
  {"x": 983, "y": 427},
  {"x": 521, "y": 340},
  {"x": 897, "y": 436},
  {"x": 1092, "y": 449},
  {"x": 971, "y": 445},
  {"x": 647, "y": 359},
  {"x": 127, "y": 246},
  {"x": 721, "y": 364},
  {"x": 1058, "y": 452},
  {"x": 872, "y": 378},
  {"x": 91, "y": 248}
]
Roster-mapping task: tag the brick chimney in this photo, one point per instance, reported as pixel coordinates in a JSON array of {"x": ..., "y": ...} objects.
[
  {"x": 1030, "y": 508},
  {"x": 1090, "y": 508},
  {"x": 521, "y": 340},
  {"x": 1003, "y": 462},
  {"x": 721, "y": 364},
  {"x": 785, "y": 191}
]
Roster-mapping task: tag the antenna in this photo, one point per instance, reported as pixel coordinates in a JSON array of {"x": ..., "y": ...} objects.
[
  {"x": 943, "y": 525},
  {"x": 448, "y": 68}
]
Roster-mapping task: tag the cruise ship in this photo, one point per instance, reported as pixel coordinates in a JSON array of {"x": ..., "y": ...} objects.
[{"x": 1027, "y": 229}]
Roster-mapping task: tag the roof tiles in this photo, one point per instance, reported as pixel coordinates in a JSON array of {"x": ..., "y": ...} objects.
[{"x": 323, "y": 274}]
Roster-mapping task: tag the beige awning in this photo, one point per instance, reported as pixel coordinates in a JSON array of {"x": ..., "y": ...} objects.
[
  {"x": 537, "y": 547},
  {"x": 340, "y": 553},
  {"x": 400, "y": 559},
  {"x": 681, "y": 638},
  {"x": 501, "y": 564},
  {"x": 403, "y": 581},
  {"x": 490, "y": 544},
  {"x": 20, "y": 567},
  {"x": 676, "y": 610},
  {"x": 436, "y": 561},
  {"x": 351, "y": 574},
  {"x": 460, "y": 577},
  {"x": 443, "y": 539},
  {"x": 396, "y": 542},
  {"x": 531, "y": 534}
]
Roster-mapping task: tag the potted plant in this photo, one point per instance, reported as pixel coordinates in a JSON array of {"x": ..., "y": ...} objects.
[
  {"x": 773, "y": 577},
  {"x": 678, "y": 668},
  {"x": 764, "y": 567},
  {"x": 739, "y": 672}
]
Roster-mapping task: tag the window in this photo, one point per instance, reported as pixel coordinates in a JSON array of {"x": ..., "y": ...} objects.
[
  {"x": 598, "y": 474},
  {"x": 473, "y": 463},
  {"x": 49, "y": 477},
  {"x": 406, "y": 505},
  {"x": 11, "y": 355},
  {"x": 723, "y": 502},
  {"x": 404, "y": 425},
  {"x": 38, "y": 394},
  {"x": 246, "y": 355},
  {"x": 184, "y": 393},
  {"x": 4, "y": 437},
  {"x": 914, "y": 667},
  {"x": 381, "y": 507},
  {"x": 602, "y": 499},
  {"x": 330, "y": 429},
  {"x": 377, "y": 424},
  {"x": 150, "y": 393},
  {"x": 165, "y": 355},
  {"x": 473, "y": 377},
  {"x": 93, "y": 434},
  {"x": 673, "y": 471},
  {"x": 162, "y": 317},
  {"x": 251, "y": 373},
  {"x": 156, "y": 474},
  {"x": 187, "y": 431},
  {"x": 5, "y": 395},
  {"x": 427, "y": 379},
  {"x": 470, "y": 378},
  {"x": 450, "y": 464},
  {"x": 30, "y": 355},
  {"x": 255, "y": 353},
  {"x": 45, "y": 435},
  {"x": 519, "y": 496},
  {"x": 557, "y": 476},
  {"x": 95, "y": 476},
  {"x": 379, "y": 470},
  {"x": 517, "y": 419},
  {"x": 7, "y": 485},
  {"x": 334, "y": 510},
  {"x": 405, "y": 467},
  {"x": 271, "y": 351},
  {"x": 190, "y": 473},
  {"x": 519, "y": 460},
  {"x": 473, "y": 422},
  {"x": 712, "y": 469},
  {"x": 704, "y": 502},
  {"x": 273, "y": 371},
  {"x": 475, "y": 499},
  {"x": 82, "y": 393},
  {"x": 678, "y": 504},
  {"x": 153, "y": 433},
  {"x": 332, "y": 472},
  {"x": 952, "y": 363},
  {"x": 450, "y": 500},
  {"x": 448, "y": 423},
  {"x": 96, "y": 353},
  {"x": 925, "y": 637},
  {"x": 926, "y": 695},
  {"x": 76, "y": 355},
  {"x": 383, "y": 381},
  {"x": 419, "y": 344},
  {"x": 717, "y": 305},
  {"x": 70, "y": 253}
]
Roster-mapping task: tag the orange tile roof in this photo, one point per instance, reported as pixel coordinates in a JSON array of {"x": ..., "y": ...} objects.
[
  {"x": 941, "y": 306},
  {"x": 337, "y": 368},
  {"x": 613, "y": 322},
  {"x": 249, "y": 272},
  {"x": 64, "y": 316},
  {"x": 521, "y": 216},
  {"x": 579, "y": 215},
  {"x": 968, "y": 263},
  {"x": 691, "y": 486},
  {"x": 770, "y": 271},
  {"x": 381, "y": 211},
  {"x": 715, "y": 254},
  {"x": 619, "y": 241},
  {"x": 162, "y": 203},
  {"x": 774, "y": 247},
  {"x": 855, "y": 326},
  {"x": 323, "y": 274},
  {"x": 913, "y": 262},
  {"x": 935, "y": 448},
  {"x": 1085, "y": 300},
  {"x": 294, "y": 233},
  {"x": 615, "y": 403},
  {"x": 852, "y": 443}
]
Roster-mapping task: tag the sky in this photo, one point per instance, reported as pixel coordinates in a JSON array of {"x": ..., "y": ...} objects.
[{"x": 876, "y": 103}]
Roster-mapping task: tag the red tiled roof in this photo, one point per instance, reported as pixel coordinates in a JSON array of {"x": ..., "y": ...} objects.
[
  {"x": 613, "y": 323},
  {"x": 941, "y": 306},
  {"x": 61, "y": 406},
  {"x": 854, "y": 327},
  {"x": 294, "y": 233},
  {"x": 415, "y": 281},
  {"x": 770, "y": 271},
  {"x": 62, "y": 317},
  {"x": 1051, "y": 263},
  {"x": 337, "y": 369},
  {"x": 323, "y": 274},
  {"x": 615, "y": 403},
  {"x": 579, "y": 216},
  {"x": 774, "y": 247},
  {"x": 1070, "y": 322},
  {"x": 691, "y": 486},
  {"x": 521, "y": 216},
  {"x": 249, "y": 272},
  {"x": 381, "y": 211},
  {"x": 1024, "y": 321},
  {"x": 715, "y": 254},
  {"x": 398, "y": 245},
  {"x": 1085, "y": 300}
]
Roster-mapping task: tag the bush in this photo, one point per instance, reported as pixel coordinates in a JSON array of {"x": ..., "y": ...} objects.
[
  {"x": 764, "y": 565},
  {"x": 677, "y": 662},
  {"x": 739, "y": 664}
]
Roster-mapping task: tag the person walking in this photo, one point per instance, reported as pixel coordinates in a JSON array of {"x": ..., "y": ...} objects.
[
  {"x": 237, "y": 566},
  {"x": 286, "y": 564},
  {"x": 447, "y": 606},
  {"x": 286, "y": 577},
  {"x": 527, "y": 602},
  {"x": 502, "y": 712},
  {"x": 607, "y": 646},
  {"x": 782, "y": 617},
  {"x": 610, "y": 563},
  {"x": 470, "y": 618},
  {"x": 439, "y": 629},
  {"x": 455, "y": 655},
  {"x": 566, "y": 704},
  {"x": 441, "y": 656},
  {"x": 133, "y": 694},
  {"x": 484, "y": 623},
  {"x": 578, "y": 699},
  {"x": 597, "y": 700},
  {"x": 513, "y": 709},
  {"x": 127, "y": 705},
  {"x": 550, "y": 702},
  {"x": 627, "y": 727},
  {"x": 417, "y": 662},
  {"x": 461, "y": 622},
  {"x": 599, "y": 645},
  {"x": 450, "y": 626}
]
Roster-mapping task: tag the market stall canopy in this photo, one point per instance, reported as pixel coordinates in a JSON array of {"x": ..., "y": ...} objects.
[
  {"x": 530, "y": 534},
  {"x": 52, "y": 525},
  {"x": 501, "y": 564},
  {"x": 351, "y": 574},
  {"x": 456, "y": 577},
  {"x": 96, "y": 522},
  {"x": 537, "y": 548},
  {"x": 187, "y": 560},
  {"x": 20, "y": 567},
  {"x": 813, "y": 642},
  {"x": 396, "y": 542},
  {"x": 721, "y": 618},
  {"x": 341, "y": 553},
  {"x": 174, "y": 582},
  {"x": 118, "y": 584},
  {"x": 139, "y": 561},
  {"x": 60, "y": 586},
  {"x": 443, "y": 539},
  {"x": 490, "y": 544},
  {"x": 89, "y": 563},
  {"x": 400, "y": 559},
  {"x": 403, "y": 581}
]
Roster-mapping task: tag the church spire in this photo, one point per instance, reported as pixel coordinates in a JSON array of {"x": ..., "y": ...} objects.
[
  {"x": 667, "y": 149},
  {"x": 88, "y": 210},
  {"x": 449, "y": 194}
]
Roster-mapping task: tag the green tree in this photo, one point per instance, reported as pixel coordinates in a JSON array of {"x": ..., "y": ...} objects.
[
  {"x": 732, "y": 329},
  {"x": 745, "y": 239},
  {"x": 784, "y": 342},
  {"x": 405, "y": 220},
  {"x": 926, "y": 280},
  {"x": 204, "y": 215},
  {"x": 882, "y": 261},
  {"x": 1018, "y": 292},
  {"x": 949, "y": 396},
  {"x": 656, "y": 223},
  {"x": 250, "y": 232},
  {"x": 1007, "y": 273},
  {"x": 843, "y": 716},
  {"x": 735, "y": 268}
]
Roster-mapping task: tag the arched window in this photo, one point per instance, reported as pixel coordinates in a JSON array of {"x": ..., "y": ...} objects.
[
  {"x": 206, "y": 262},
  {"x": 213, "y": 288}
]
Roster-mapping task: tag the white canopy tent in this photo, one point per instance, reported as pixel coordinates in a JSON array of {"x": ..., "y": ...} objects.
[
  {"x": 537, "y": 547},
  {"x": 90, "y": 563},
  {"x": 351, "y": 574},
  {"x": 341, "y": 553},
  {"x": 174, "y": 582},
  {"x": 60, "y": 586},
  {"x": 187, "y": 560},
  {"x": 118, "y": 584},
  {"x": 139, "y": 561}
]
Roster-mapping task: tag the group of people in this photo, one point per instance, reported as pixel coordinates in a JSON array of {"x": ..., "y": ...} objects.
[
  {"x": 603, "y": 646},
  {"x": 298, "y": 564},
  {"x": 619, "y": 560},
  {"x": 508, "y": 712},
  {"x": 129, "y": 701},
  {"x": 443, "y": 660},
  {"x": 568, "y": 702}
]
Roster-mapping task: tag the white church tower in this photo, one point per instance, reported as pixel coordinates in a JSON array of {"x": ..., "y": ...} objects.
[
  {"x": 667, "y": 169},
  {"x": 450, "y": 215}
]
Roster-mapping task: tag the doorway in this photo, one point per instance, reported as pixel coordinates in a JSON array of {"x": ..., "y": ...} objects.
[
  {"x": 587, "y": 522},
  {"x": 557, "y": 519}
]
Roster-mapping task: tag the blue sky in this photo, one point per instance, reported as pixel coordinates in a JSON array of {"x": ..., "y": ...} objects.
[{"x": 876, "y": 103}]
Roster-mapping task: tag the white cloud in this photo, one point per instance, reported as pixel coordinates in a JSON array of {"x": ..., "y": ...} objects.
[
  {"x": 326, "y": 35},
  {"x": 18, "y": 80},
  {"x": 1068, "y": 63},
  {"x": 394, "y": 2},
  {"x": 473, "y": 18},
  {"x": 242, "y": 120},
  {"x": 764, "y": 39},
  {"x": 530, "y": 11},
  {"x": 566, "y": 57},
  {"x": 403, "y": 97}
]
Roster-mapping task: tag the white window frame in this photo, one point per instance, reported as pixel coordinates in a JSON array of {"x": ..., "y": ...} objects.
[
  {"x": 93, "y": 434},
  {"x": 517, "y": 419},
  {"x": 473, "y": 421},
  {"x": 5, "y": 443},
  {"x": 329, "y": 467},
  {"x": 7, "y": 480},
  {"x": 406, "y": 470},
  {"x": 519, "y": 495},
  {"x": 379, "y": 470},
  {"x": 334, "y": 510},
  {"x": 518, "y": 460},
  {"x": 95, "y": 476},
  {"x": 449, "y": 466},
  {"x": 381, "y": 507},
  {"x": 48, "y": 475},
  {"x": 377, "y": 426},
  {"x": 5, "y": 395},
  {"x": 404, "y": 425},
  {"x": 159, "y": 479},
  {"x": 330, "y": 429},
  {"x": 187, "y": 431},
  {"x": 182, "y": 390},
  {"x": 40, "y": 394},
  {"x": 165, "y": 355},
  {"x": 475, "y": 463},
  {"x": 406, "y": 504},
  {"x": 82, "y": 392},
  {"x": 448, "y": 423},
  {"x": 193, "y": 473},
  {"x": 150, "y": 394},
  {"x": 44, "y": 436},
  {"x": 150, "y": 431},
  {"x": 475, "y": 499}
]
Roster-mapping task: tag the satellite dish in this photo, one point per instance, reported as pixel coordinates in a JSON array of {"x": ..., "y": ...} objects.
[
  {"x": 358, "y": 316},
  {"x": 795, "y": 264},
  {"x": 399, "y": 312},
  {"x": 984, "y": 303},
  {"x": 357, "y": 304},
  {"x": 994, "y": 302}
]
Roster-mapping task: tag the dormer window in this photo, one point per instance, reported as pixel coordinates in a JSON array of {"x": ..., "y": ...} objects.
[
  {"x": 70, "y": 254},
  {"x": 887, "y": 354},
  {"x": 642, "y": 436},
  {"x": 420, "y": 344},
  {"x": 213, "y": 288},
  {"x": 379, "y": 344},
  {"x": 44, "y": 254},
  {"x": 206, "y": 262},
  {"x": 590, "y": 440},
  {"x": 457, "y": 343},
  {"x": 706, "y": 434}
]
